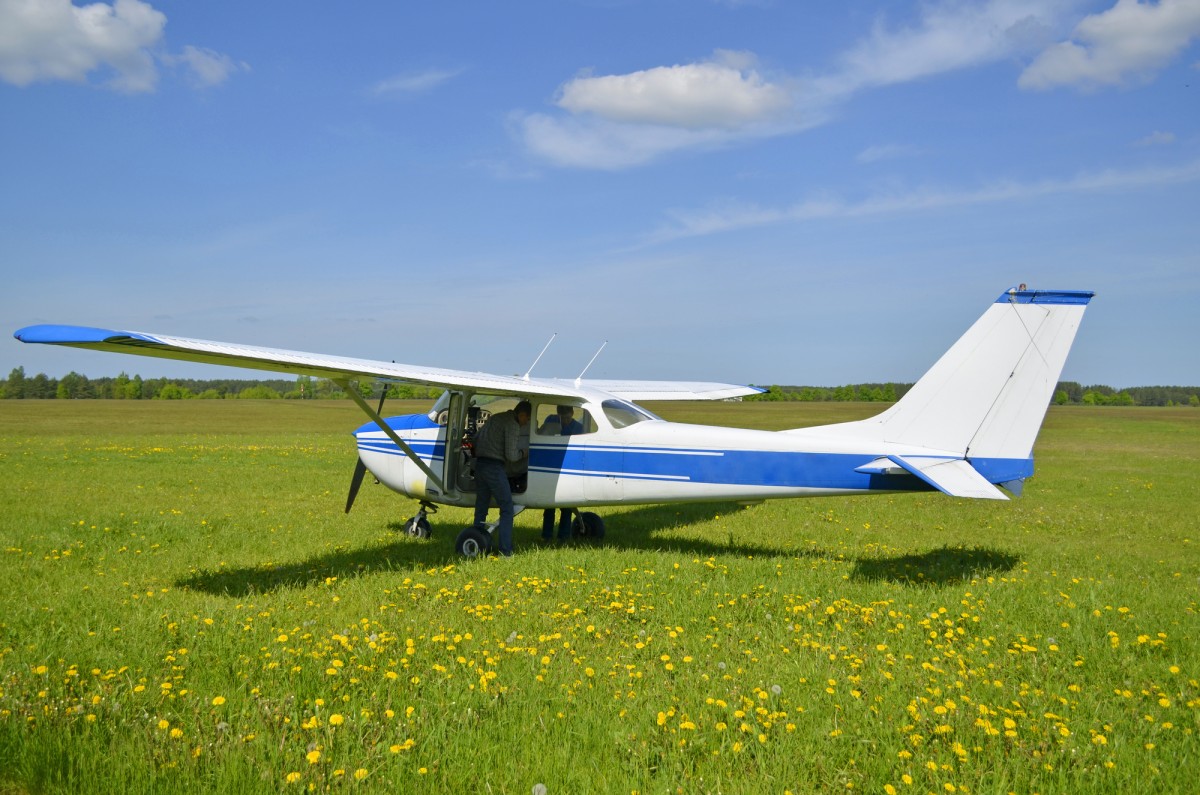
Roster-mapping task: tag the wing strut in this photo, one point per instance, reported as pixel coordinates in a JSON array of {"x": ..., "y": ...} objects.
[{"x": 391, "y": 434}]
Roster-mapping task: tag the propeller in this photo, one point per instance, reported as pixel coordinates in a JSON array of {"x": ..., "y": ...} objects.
[{"x": 360, "y": 469}]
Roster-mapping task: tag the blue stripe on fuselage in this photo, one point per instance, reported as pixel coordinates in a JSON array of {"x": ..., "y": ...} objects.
[{"x": 755, "y": 468}]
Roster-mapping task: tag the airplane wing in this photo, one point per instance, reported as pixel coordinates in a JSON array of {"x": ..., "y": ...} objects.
[
  {"x": 672, "y": 390},
  {"x": 339, "y": 367}
]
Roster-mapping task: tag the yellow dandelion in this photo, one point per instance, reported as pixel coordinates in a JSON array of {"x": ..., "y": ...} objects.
[
  {"x": 360, "y": 774},
  {"x": 218, "y": 701},
  {"x": 336, "y": 719},
  {"x": 313, "y": 757},
  {"x": 292, "y": 777}
]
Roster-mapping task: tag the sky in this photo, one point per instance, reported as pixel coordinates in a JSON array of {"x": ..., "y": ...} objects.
[{"x": 747, "y": 191}]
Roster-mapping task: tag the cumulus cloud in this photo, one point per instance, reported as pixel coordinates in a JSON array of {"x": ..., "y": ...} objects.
[
  {"x": 55, "y": 40},
  {"x": 724, "y": 95},
  {"x": 616, "y": 121},
  {"x": 624, "y": 120},
  {"x": 45, "y": 40},
  {"x": 1128, "y": 42}
]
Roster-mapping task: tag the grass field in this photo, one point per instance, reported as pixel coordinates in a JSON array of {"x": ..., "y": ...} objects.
[{"x": 185, "y": 608}]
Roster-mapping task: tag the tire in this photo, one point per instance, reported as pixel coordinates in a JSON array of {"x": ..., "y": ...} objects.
[
  {"x": 472, "y": 543},
  {"x": 418, "y": 527},
  {"x": 588, "y": 525}
]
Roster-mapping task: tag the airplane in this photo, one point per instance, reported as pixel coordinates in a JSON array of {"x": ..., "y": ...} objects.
[{"x": 965, "y": 428}]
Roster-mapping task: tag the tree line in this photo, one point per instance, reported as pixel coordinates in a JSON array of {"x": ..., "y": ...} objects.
[
  {"x": 1067, "y": 393},
  {"x": 74, "y": 386}
]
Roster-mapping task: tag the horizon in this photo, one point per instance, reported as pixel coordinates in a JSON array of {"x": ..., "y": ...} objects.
[{"x": 745, "y": 191}]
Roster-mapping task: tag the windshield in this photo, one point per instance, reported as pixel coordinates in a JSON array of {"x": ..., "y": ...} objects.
[
  {"x": 622, "y": 413},
  {"x": 439, "y": 411}
]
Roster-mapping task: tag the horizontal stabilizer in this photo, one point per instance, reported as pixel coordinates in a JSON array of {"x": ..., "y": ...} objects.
[{"x": 953, "y": 476}]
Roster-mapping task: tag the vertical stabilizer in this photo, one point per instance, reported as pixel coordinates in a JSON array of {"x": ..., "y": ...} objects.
[{"x": 987, "y": 396}]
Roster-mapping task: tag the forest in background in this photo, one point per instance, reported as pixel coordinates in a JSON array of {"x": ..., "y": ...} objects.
[{"x": 74, "y": 386}]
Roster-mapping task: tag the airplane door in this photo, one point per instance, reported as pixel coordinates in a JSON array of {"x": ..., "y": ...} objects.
[
  {"x": 450, "y": 440},
  {"x": 604, "y": 467}
]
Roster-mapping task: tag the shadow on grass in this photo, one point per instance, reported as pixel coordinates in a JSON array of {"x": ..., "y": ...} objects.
[
  {"x": 943, "y": 566},
  {"x": 637, "y": 532},
  {"x": 647, "y": 528}
]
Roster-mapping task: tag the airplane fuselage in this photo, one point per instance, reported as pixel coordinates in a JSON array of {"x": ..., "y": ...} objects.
[{"x": 648, "y": 461}]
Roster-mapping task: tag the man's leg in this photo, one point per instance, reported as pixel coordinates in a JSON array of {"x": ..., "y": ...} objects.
[{"x": 495, "y": 480}]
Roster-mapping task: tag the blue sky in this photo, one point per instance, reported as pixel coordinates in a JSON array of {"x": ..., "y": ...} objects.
[{"x": 756, "y": 192}]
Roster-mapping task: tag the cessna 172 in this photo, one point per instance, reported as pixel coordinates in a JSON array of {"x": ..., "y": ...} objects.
[{"x": 966, "y": 426}]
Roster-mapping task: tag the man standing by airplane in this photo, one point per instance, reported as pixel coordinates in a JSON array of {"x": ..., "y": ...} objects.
[{"x": 497, "y": 445}]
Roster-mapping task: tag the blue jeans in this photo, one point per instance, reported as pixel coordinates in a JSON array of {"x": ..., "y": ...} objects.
[
  {"x": 564, "y": 524},
  {"x": 491, "y": 481}
]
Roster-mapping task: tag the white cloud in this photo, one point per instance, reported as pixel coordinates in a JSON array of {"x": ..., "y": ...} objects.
[
  {"x": 43, "y": 40},
  {"x": 1128, "y": 42},
  {"x": 55, "y": 40},
  {"x": 415, "y": 82},
  {"x": 617, "y": 121},
  {"x": 873, "y": 154},
  {"x": 207, "y": 67},
  {"x": 1156, "y": 138},
  {"x": 712, "y": 94},
  {"x": 947, "y": 36},
  {"x": 733, "y": 217},
  {"x": 620, "y": 121}
]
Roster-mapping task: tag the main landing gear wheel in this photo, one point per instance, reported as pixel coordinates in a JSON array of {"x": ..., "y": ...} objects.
[
  {"x": 587, "y": 525},
  {"x": 473, "y": 543}
]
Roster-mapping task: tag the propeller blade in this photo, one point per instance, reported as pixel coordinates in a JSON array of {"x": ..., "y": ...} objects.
[{"x": 360, "y": 469}]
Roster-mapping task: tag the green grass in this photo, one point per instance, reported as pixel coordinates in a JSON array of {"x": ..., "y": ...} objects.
[{"x": 185, "y": 608}]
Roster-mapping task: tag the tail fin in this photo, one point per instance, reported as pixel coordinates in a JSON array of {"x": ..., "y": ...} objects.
[{"x": 987, "y": 396}]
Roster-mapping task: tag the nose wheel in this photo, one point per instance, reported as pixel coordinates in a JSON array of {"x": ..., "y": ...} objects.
[{"x": 418, "y": 526}]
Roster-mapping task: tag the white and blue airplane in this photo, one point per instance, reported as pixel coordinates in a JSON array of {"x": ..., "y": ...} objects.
[{"x": 967, "y": 426}]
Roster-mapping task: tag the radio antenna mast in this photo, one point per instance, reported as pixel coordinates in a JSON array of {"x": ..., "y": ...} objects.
[
  {"x": 539, "y": 357},
  {"x": 579, "y": 378}
]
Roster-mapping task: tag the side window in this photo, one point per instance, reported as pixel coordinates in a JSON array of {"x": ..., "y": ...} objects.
[
  {"x": 622, "y": 414},
  {"x": 553, "y": 420}
]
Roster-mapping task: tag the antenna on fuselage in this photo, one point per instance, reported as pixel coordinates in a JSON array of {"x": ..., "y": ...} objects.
[
  {"x": 539, "y": 357},
  {"x": 579, "y": 377}
]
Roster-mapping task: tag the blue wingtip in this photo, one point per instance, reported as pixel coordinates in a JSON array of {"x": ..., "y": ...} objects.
[{"x": 71, "y": 335}]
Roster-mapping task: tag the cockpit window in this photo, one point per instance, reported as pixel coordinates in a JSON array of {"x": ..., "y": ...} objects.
[
  {"x": 622, "y": 414},
  {"x": 551, "y": 419}
]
